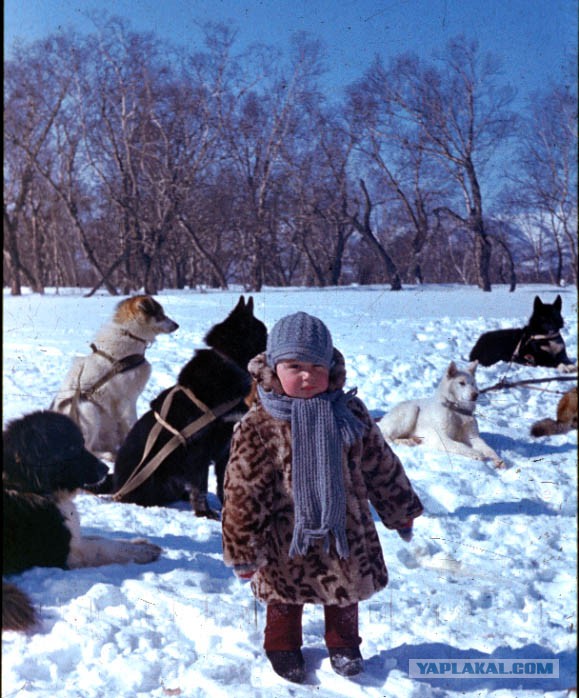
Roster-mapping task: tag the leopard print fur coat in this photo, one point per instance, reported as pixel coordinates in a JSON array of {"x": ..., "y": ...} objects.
[{"x": 258, "y": 507}]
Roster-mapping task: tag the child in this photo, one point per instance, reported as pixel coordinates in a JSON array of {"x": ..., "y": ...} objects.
[{"x": 304, "y": 462}]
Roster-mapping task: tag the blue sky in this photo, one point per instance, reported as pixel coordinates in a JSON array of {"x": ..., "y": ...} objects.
[{"x": 535, "y": 38}]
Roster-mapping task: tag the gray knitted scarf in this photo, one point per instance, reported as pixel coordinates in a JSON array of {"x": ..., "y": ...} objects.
[{"x": 322, "y": 427}]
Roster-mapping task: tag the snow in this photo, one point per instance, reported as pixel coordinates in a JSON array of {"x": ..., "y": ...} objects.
[{"x": 490, "y": 573}]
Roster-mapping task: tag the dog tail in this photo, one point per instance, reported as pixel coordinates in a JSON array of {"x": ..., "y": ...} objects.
[
  {"x": 549, "y": 427},
  {"x": 18, "y": 613}
]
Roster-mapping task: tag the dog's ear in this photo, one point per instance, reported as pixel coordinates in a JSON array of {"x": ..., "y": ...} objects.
[
  {"x": 240, "y": 305},
  {"x": 558, "y": 303},
  {"x": 452, "y": 370},
  {"x": 472, "y": 367},
  {"x": 538, "y": 304},
  {"x": 249, "y": 305},
  {"x": 148, "y": 305}
]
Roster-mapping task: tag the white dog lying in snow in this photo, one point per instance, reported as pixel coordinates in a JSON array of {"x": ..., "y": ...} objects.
[{"x": 444, "y": 421}]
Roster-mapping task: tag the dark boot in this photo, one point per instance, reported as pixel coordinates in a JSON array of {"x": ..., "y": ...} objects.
[
  {"x": 289, "y": 664},
  {"x": 283, "y": 640},
  {"x": 346, "y": 661},
  {"x": 342, "y": 639}
]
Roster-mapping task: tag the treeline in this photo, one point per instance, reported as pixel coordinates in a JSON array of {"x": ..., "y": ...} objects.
[{"x": 130, "y": 164}]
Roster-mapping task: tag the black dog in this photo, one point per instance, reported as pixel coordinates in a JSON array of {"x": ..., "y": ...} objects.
[
  {"x": 539, "y": 343},
  {"x": 168, "y": 452},
  {"x": 45, "y": 464}
]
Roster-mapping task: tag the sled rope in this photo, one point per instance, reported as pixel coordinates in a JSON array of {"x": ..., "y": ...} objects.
[
  {"x": 503, "y": 383},
  {"x": 143, "y": 472}
]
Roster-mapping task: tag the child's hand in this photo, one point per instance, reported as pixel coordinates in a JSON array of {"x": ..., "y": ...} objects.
[
  {"x": 405, "y": 530},
  {"x": 244, "y": 572}
]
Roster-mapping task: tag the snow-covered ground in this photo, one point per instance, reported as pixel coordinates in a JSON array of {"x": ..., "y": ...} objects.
[{"x": 489, "y": 575}]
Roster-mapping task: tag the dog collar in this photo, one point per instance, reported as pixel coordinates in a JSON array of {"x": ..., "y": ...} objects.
[
  {"x": 455, "y": 407},
  {"x": 134, "y": 336}
]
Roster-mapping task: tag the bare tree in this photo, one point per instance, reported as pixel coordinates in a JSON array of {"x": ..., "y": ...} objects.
[
  {"x": 207, "y": 190},
  {"x": 14, "y": 204},
  {"x": 461, "y": 117},
  {"x": 131, "y": 164},
  {"x": 364, "y": 226},
  {"x": 49, "y": 137},
  {"x": 124, "y": 141},
  {"x": 411, "y": 182},
  {"x": 260, "y": 132},
  {"x": 318, "y": 186},
  {"x": 36, "y": 87},
  {"x": 545, "y": 185}
]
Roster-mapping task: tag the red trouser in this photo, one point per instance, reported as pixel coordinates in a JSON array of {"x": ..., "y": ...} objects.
[{"x": 283, "y": 627}]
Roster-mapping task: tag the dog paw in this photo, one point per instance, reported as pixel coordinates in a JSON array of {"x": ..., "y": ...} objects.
[
  {"x": 567, "y": 368},
  {"x": 144, "y": 552},
  {"x": 409, "y": 440},
  {"x": 475, "y": 455}
]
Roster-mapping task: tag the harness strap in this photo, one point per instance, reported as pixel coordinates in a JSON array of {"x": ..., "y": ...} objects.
[
  {"x": 143, "y": 472},
  {"x": 118, "y": 366},
  {"x": 102, "y": 352},
  {"x": 526, "y": 339},
  {"x": 170, "y": 428},
  {"x": 552, "y": 335},
  {"x": 158, "y": 427}
]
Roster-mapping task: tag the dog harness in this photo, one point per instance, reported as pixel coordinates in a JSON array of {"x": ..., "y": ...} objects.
[
  {"x": 142, "y": 472},
  {"x": 519, "y": 355},
  {"x": 127, "y": 363}
]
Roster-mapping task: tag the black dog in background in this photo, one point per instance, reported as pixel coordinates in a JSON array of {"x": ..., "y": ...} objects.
[
  {"x": 45, "y": 464},
  {"x": 539, "y": 343},
  {"x": 215, "y": 382}
]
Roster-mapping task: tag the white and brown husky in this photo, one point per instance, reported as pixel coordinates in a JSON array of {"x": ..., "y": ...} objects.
[
  {"x": 445, "y": 421},
  {"x": 100, "y": 391}
]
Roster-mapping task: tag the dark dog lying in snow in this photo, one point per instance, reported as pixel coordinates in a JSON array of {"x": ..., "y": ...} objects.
[
  {"x": 539, "y": 343},
  {"x": 168, "y": 453},
  {"x": 45, "y": 464}
]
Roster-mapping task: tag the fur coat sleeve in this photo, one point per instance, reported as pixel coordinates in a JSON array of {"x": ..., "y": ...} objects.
[
  {"x": 258, "y": 509},
  {"x": 389, "y": 489}
]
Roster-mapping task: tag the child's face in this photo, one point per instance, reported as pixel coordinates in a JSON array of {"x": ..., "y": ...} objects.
[{"x": 301, "y": 379}]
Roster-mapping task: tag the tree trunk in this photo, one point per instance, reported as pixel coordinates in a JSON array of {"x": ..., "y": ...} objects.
[
  {"x": 483, "y": 246},
  {"x": 512, "y": 268},
  {"x": 365, "y": 229},
  {"x": 205, "y": 254}
]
